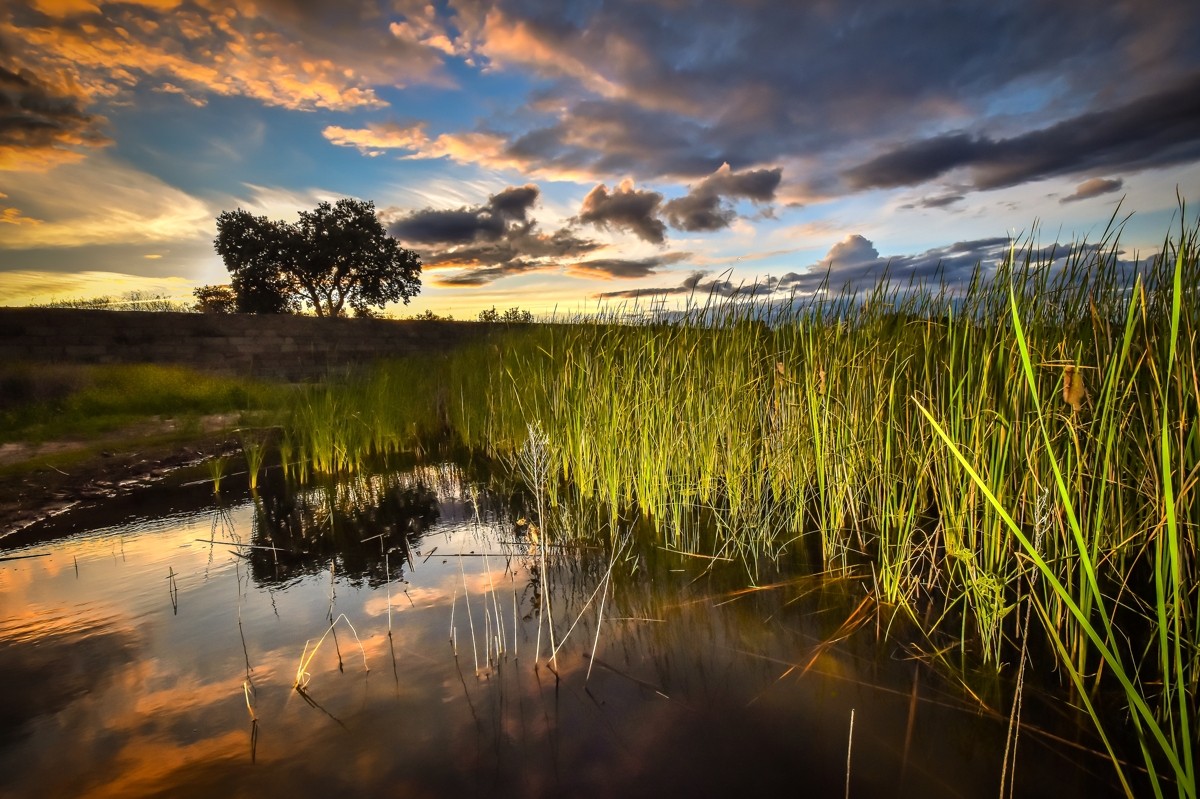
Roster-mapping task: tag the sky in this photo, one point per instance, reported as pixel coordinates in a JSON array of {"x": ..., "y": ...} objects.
[{"x": 569, "y": 155}]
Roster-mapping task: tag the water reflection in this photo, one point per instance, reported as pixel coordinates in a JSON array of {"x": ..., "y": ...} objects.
[
  {"x": 366, "y": 526},
  {"x": 164, "y": 665},
  {"x": 47, "y": 672}
]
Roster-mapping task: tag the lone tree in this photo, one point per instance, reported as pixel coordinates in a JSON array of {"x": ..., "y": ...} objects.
[{"x": 336, "y": 255}]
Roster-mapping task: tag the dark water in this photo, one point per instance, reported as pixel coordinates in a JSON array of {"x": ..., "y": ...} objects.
[{"x": 137, "y": 660}]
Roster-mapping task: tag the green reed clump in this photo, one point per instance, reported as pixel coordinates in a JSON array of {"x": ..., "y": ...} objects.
[
  {"x": 828, "y": 425},
  {"x": 254, "y": 450},
  {"x": 1165, "y": 733},
  {"x": 907, "y": 433},
  {"x": 337, "y": 427}
]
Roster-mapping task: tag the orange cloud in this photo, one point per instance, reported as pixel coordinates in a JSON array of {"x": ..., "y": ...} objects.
[
  {"x": 375, "y": 139},
  {"x": 63, "y": 8},
  {"x": 66, "y": 8},
  {"x": 102, "y": 201},
  {"x": 45, "y": 124},
  {"x": 490, "y": 150},
  {"x": 269, "y": 53},
  {"x": 479, "y": 148},
  {"x": 609, "y": 65},
  {"x": 13, "y": 216},
  {"x": 29, "y": 287},
  {"x": 269, "y": 69},
  {"x": 507, "y": 41}
]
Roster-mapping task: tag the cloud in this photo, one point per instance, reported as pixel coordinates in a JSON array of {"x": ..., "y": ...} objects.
[
  {"x": 102, "y": 201},
  {"x": 1157, "y": 130},
  {"x": 27, "y": 286},
  {"x": 490, "y": 241},
  {"x": 374, "y": 140},
  {"x": 704, "y": 208},
  {"x": 488, "y": 274},
  {"x": 855, "y": 262},
  {"x": 279, "y": 52},
  {"x": 937, "y": 201},
  {"x": 487, "y": 222},
  {"x": 514, "y": 202},
  {"x": 483, "y": 148},
  {"x": 1093, "y": 187},
  {"x": 625, "y": 208},
  {"x": 625, "y": 268},
  {"x": 42, "y": 124},
  {"x": 641, "y": 89},
  {"x": 694, "y": 285},
  {"x": 505, "y": 39},
  {"x": 13, "y": 216}
]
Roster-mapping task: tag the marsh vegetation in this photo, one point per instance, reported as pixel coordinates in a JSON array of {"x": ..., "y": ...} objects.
[{"x": 1008, "y": 466}]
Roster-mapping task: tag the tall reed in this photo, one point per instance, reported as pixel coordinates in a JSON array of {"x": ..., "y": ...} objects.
[{"x": 906, "y": 432}]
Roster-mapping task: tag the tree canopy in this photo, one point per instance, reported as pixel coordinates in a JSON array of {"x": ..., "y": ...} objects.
[
  {"x": 335, "y": 256},
  {"x": 215, "y": 299}
]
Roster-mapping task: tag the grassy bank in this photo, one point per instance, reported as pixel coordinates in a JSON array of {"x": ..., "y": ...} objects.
[{"x": 47, "y": 402}]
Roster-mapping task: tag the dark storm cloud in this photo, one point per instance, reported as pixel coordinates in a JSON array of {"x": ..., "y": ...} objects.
[
  {"x": 431, "y": 226},
  {"x": 704, "y": 206},
  {"x": 1161, "y": 129},
  {"x": 489, "y": 241},
  {"x": 488, "y": 274},
  {"x": 39, "y": 125},
  {"x": 514, "y": 203},
  {"x": 1093, "y": 188},
  {"x": 695, "y": 285},
  {"x": 941, "y": 201},
  {"x": 525, "y": 242},
  {"x": 487, "y": 222},
  {"x": 616, "y": 268},
  {"x": 625, "y": 208},
  {"x": 650, "y": 90}
]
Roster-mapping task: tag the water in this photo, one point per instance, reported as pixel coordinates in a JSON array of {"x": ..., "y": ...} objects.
[{"x": 140, "y": 656}]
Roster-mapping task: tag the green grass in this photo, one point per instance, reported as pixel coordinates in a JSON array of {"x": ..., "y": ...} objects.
[{"x": 47, "y": 402}]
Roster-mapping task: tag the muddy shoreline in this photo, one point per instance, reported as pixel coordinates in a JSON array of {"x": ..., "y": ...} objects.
[{"x": 30, "y": 497}]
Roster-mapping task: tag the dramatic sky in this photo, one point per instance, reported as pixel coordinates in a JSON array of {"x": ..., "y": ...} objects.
[{"x": 547, "y": 154}]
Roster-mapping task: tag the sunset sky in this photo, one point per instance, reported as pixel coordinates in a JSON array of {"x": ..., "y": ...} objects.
[{"x": 553, "y": 154}]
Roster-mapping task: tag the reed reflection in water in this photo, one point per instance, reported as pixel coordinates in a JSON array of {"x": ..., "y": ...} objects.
[{"x": 165, "y": 663}]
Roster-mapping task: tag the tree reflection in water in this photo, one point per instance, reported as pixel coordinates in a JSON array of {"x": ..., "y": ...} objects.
[{"x": 300, "y": 530}]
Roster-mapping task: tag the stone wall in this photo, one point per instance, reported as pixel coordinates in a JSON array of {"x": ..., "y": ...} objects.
[{"x": 282, "y": 347}]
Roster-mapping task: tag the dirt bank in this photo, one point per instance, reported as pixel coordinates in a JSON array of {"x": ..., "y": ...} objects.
[{"x": 39, "y": 480}]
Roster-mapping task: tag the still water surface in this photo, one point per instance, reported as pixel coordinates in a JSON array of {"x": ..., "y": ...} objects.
[{"x": 141, "y": 656}]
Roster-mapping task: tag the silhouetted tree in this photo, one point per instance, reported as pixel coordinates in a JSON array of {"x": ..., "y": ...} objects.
[
  {"x": 257, "y": 253},
  {"x": 511, "y": 315},
  {"x": 215, "y": 299},
  {"x": 429, "y": 316},
  {"x": 337, "y": 255}
]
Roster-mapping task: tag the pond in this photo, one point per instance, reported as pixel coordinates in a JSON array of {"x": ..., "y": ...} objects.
[{"x": 393, "y": 635}]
